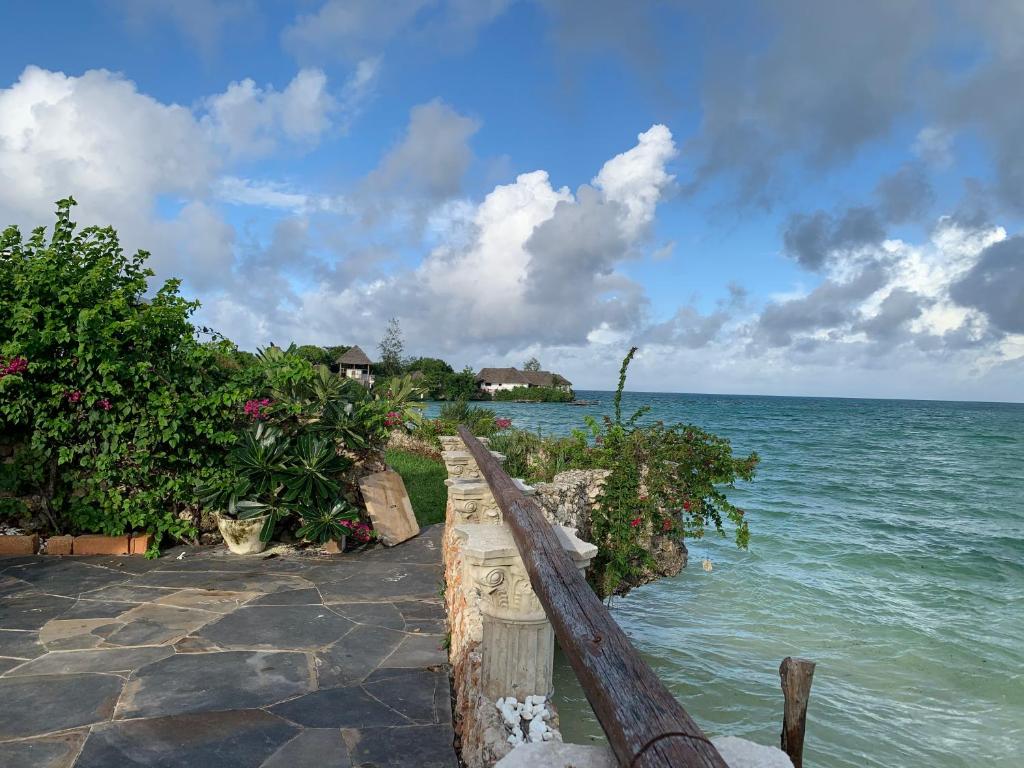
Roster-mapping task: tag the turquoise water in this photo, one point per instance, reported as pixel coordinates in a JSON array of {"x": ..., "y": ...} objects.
[{"x": 887, "y": 545}]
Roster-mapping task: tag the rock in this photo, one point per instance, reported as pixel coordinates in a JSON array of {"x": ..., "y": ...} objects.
[
  {"x": 555, "y": 754},
  {"x": 741, "y": 753}
]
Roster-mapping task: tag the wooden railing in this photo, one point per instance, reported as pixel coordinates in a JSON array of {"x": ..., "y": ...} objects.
[{"x": 646, "y": 726}]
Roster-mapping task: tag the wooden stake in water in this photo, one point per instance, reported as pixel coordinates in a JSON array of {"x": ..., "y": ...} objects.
[{"x": 796, "y": 675}]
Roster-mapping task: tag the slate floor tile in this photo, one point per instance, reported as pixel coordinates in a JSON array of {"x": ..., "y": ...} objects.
[
  {"x": 411, "y": 694},
  {"x": 230, "y": 582},
  {"x": 309, "y": 596},
  {"x": 312, "y": 748},
  {"x": 381, "y": 581},
  {"x": 374, "y": 614},
  {"x": 31, "y": 610},
  {"x": 56, "y": 751},
  {"x": 105, "y": 660},
  {"x": 128, "y": 593},
  {"x": 422, "y": 746},
  {"x": 37, "y": 705},
  {"x": 196, "y": 682},
  {"x": 346, "y": 707},
  {"x": 237, "y": 739},
  {"x": 152, "y": 624},
  {"x": 97, "y": 609},
  {"x": 418, "y": 651},
  {"x": 285, "y": 627},
  {"x": 356, "y": 655},
  {"x": 215, "y": 600},
  {"x": 20, "y": 644},
  {"x": 66, "y": 577},
  {"x": 71, "y": 634}
]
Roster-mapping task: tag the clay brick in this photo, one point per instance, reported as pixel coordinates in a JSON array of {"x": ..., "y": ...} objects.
[
  {"x": 19, "y": 545},
  {"x": 60, "y": 545},
  {"x": 95, "y": 544},
  {"x": 140, "y": 543}
]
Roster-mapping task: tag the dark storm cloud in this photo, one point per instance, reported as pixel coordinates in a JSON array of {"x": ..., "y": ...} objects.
[
  {"x": 995, "y": 285},
  {"x": 830, "y": 305},
  {"x": 692, "y": 329},
  {"x": 813, "y": 239},
  {"x": 570, "y": 276},
  {"x": 904, "y": 195},
  {"x": 897, "y": 310},
  {"x": 812, "y": 80}
]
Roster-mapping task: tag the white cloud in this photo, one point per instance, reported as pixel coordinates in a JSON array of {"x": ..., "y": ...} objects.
[
  {"x": 95, "y": 136},
  {"x": 637, "y": 178},
  {"x": 250, "y": 121}
]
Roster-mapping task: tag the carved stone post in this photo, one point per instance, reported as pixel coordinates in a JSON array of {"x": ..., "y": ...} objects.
[{"x": 517, "y": 648}]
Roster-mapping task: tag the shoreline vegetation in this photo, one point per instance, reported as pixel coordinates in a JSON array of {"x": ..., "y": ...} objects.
[{"x": 122, "y": 418}]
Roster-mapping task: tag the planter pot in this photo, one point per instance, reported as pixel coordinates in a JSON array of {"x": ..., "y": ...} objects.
[{"x": 242, "y": 536}]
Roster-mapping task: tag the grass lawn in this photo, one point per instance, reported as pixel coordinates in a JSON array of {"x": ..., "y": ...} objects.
[{"x": 424, "y": 480}]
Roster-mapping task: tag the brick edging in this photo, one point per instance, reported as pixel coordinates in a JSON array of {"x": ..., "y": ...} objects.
[{"x": 87, "y": 544}]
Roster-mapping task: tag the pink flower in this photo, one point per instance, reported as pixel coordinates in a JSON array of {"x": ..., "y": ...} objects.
[
  {"x": 13, "y": 366},
  {"x": 393, "y": 419},
  {"x": 257, "y": 409},
  {"x": 502, "y": 423},
  {"x": 104, "y": 404},
  {"x": 74, "y": 396}
]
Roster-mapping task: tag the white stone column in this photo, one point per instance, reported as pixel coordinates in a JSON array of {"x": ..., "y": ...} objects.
[{"x": 517, "y": 644}]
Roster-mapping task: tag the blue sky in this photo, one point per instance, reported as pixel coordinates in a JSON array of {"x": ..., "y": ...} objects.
[{"x": 779, "y": 198}]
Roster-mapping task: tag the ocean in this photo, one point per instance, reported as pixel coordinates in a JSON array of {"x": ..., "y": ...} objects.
[{"x": 887, "y": 545}]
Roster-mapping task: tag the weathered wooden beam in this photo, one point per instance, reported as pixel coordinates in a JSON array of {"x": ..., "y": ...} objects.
[
  {"x": 645, "y": 725},
  {"x": 796, "y": 675}
]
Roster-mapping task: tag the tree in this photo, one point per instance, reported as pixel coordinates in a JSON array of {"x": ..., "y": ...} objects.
[
  {"x": 461, "y": 386},
  {"x": 533, "y": 364},
  {"x": 316, "y": 355},
  {"x": 391, "y": 348}
]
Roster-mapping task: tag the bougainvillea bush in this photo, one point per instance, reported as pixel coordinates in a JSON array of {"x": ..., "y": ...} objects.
[
  {"x": 121, "y": 410},
  {"x": 664, "y": 480}
]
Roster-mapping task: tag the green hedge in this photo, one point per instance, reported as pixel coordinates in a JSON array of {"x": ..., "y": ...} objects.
[{"x": 534, "y": 395}]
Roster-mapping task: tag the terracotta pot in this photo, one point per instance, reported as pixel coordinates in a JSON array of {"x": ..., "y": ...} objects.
[{"x": 242, "y": 536}]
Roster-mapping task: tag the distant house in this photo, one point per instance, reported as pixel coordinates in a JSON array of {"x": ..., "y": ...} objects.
[
  {"x": 354, "y": 364},
  {"x": 491, "y": 380}
]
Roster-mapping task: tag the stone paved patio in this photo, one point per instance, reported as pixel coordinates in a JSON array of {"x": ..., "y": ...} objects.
[{"x": 221, "y": 660}]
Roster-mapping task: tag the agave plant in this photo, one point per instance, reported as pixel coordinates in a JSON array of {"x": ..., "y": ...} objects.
[{"x": 271, "y": 474}]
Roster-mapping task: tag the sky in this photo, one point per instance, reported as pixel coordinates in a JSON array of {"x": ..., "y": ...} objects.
[{"x": 787, "y": 198}]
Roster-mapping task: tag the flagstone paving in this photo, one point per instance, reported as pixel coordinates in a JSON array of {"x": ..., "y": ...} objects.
[{"x": 279, "y": 661}]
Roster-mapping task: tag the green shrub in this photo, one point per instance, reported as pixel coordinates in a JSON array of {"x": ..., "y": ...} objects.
[
  {"x": 534, "y": 394},
  {"x": 123, "y": 409}
]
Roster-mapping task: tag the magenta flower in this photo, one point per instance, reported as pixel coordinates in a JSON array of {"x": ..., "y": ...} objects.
[
  {"x": 74, "y": 396},
  {"x": 393, "y": 419},
  {"x": 502, "y": 423},
  {"x": 13, "y": 366},
  {"x": 257, "y": 410},
  {"x": 104, "y": 404}
]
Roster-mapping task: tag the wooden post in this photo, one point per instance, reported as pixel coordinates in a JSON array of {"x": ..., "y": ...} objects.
[{"x": 796, "y": 675}]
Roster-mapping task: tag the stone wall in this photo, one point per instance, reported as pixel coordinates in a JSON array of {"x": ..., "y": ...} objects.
[{"x": 501, "y": 643}]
